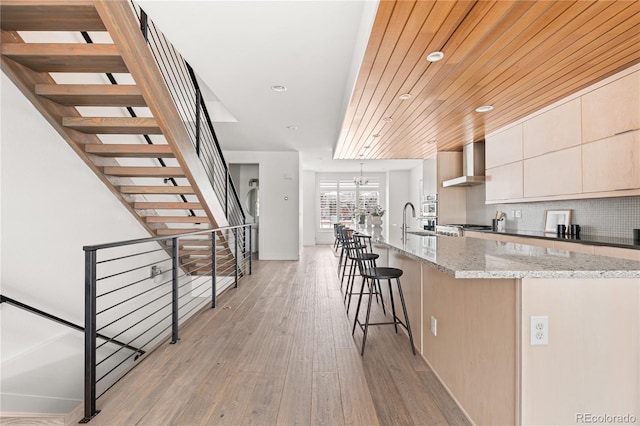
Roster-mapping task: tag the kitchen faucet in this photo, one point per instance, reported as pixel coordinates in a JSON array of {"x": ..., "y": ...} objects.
[{"x": 404, "y": 219}]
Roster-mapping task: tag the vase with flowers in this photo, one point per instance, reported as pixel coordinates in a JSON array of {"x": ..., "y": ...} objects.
[{"x": 376, "y": 215}]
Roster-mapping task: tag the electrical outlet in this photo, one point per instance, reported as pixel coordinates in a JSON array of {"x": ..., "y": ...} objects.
[
  {"x": 434, "y": 326},
  {"x": 539, "y": 330},
  {"x": 518, "y": 214}
]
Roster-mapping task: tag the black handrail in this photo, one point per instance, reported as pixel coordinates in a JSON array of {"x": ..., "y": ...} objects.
[
  {"x": 28, "y": 308},
  {"x": 134, "y": 305}
]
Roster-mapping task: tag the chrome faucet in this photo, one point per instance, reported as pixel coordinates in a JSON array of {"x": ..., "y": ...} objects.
[{"x": 404, "y": 219}]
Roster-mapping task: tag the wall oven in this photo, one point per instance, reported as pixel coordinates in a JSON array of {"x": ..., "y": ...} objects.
[{"x": 429, "y": 212}]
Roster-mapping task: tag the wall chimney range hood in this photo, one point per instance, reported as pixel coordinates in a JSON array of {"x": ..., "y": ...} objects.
[{"x": 472, "y": 166}]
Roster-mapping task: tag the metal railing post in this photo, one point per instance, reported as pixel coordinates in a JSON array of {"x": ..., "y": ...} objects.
[
  {"x": 250, "y": 251},
  {"x": 174, "y": 291},
  {"x": 235, "y": 243},
  {"x": 144, "y": 25},
  {"x": 89, "y": 335},
  {"x": 226, "y": 193},
  {"x": 198, "y": 108},
  {"x": 214, "y": 272}
]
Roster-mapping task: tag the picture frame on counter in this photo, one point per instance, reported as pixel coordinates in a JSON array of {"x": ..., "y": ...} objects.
[{"x": 553, "y": 218}]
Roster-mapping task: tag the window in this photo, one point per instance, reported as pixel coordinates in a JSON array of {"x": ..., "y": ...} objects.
[{"x": 340, "y": 199}]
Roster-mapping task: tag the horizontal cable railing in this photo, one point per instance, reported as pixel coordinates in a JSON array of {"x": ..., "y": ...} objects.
[
  {"x": 141, "y": 292},
  {"x": 185, "y": 91}
]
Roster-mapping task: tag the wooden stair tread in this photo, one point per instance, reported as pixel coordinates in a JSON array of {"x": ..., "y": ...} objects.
[
  {"x": 47, "y": 16},
  {"x": 92, "y": 94},
  {"x": 113, "y": 125},
  {"x": 174, "y": 231},
  {"x": 123, "y": 171},
  {"x": 166, "y": 205},
  {"x": 139, "y": 189},
  {"x": 129, "y": 150},
  {"x": 177, "y": 219},
  {"x": 67, "y": 57}
]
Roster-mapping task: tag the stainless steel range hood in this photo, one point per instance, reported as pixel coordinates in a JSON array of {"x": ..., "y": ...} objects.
[{"x": 472, "y": 166}]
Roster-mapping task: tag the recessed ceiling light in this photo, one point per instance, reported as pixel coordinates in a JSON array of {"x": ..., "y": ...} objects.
[
  {"x": 387, "y": 119},
  {"x": 292, "y": 127},
  {"x": 484, "y": 108},
  {"x": 367, "y": 146},
  {"x": 432, "y": 141},
  {"x": 405, "y": 96},
  {"x": 435, "y": 56},
  {"x": 361, "y": 155},
  {"x": 279, "y": 88},
  {"x": 377, "y": 135}
]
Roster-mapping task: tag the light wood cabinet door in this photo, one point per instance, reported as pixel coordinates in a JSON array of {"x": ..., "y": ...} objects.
[
  {"x": 611, "y": 109},
  {"x": 556, "y": 173},
  {"x": 504, "y": 182},
  {"x": 612, "y": 164},
  {"x": 504, "y": 147},
  {"x": 553, "y": 130}
]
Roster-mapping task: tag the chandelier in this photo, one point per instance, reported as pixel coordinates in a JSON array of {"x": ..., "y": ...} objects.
[{"x": 360, "y": 180}]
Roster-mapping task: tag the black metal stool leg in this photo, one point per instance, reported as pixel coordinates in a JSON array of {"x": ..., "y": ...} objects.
[
  {"x": 384, "y": 311},
  {"x": 350, "y": 291},
  {"x": 406, "y": 317},
  {"x": 393, "y": 307},
  {"x": 366, "y": 324},
  {"x": 355, "y": 320}
]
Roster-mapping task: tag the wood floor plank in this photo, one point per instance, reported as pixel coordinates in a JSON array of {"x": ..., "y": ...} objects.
[
  {"x": 357, "y": 403},
  {"x": 326, "y": 405}
]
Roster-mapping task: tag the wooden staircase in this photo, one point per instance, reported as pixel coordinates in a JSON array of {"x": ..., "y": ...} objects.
[{"x": 166, "y": 200}]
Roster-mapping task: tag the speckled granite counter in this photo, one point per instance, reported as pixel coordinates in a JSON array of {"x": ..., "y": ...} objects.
[{"x": 477, "y": 258}]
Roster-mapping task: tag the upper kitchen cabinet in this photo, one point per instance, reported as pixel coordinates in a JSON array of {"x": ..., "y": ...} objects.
[
  {"x": 503, "y": 159},
  {"x": 503, "y": 147},
  {"x": 553, "y": 130},
  {"x": 611, "y": 109},
  {"x": 612, "y": 164}
]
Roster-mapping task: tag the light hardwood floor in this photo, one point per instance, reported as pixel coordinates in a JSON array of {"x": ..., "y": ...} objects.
[{"x": 278, "y": 351}]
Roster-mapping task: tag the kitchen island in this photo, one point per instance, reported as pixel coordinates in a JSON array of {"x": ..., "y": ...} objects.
[{"x": 470, "y": 303}]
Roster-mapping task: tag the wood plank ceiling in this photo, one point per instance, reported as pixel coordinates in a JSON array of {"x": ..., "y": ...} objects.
[{"x": 518, "y": 56}]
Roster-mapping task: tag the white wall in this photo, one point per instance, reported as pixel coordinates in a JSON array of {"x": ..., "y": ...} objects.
[
  {"x": 399, "y": 194},
  {"x": 280, "y": 205},
  {"x": 309, "y": 208}
]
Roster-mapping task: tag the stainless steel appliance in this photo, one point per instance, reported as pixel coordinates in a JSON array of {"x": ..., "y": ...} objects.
[
  {"x": 457, "y": 230},
  {"x": 429, "y": 212},
  {"x": 473, "y": 165}
]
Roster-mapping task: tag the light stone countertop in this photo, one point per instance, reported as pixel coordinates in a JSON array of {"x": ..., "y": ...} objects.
[{"x": 463, "y": 257}]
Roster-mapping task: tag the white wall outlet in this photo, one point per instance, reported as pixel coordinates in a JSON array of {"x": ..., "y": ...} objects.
[
  {"x": 539, "y": 330},
  {"x": 434, "y": 326},
  {"x": 518, "y": 214}
]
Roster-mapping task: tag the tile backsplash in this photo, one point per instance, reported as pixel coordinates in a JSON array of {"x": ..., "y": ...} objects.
[{"x": 605, "y": 217}]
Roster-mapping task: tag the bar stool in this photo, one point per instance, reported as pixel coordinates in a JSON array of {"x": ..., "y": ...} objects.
[
  {"x": 336, "y": 243},
  {"x": 377, "y": 274},
  {"x": 361, "y": 259},
  {"x": 350, "y": 244}
]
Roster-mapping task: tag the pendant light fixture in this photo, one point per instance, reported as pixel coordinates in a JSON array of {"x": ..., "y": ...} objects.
[{"x": 360, "y": 180}]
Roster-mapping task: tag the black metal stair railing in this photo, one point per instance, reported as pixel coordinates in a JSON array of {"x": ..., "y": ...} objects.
[
  {"x": 185, "y": 91},
  {"x": 54, "y": 318},
  {"x": 142, "y": 292}
]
